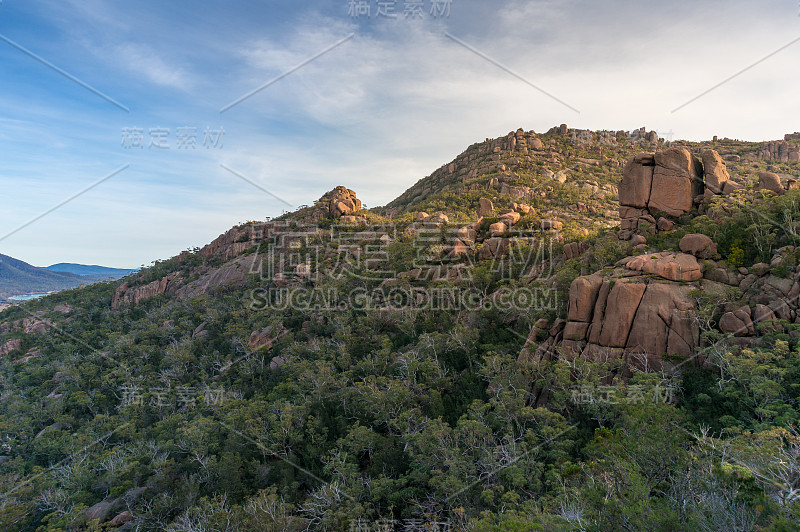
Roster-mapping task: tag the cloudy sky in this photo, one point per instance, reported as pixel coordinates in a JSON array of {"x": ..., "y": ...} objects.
[{"x": 134, "y": 101}]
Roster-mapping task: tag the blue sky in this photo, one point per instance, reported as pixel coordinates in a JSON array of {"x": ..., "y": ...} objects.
[{"x": 378, "y": 112}]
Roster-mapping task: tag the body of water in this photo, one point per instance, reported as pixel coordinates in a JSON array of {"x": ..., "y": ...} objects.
[{"x": 26, "y": 298}]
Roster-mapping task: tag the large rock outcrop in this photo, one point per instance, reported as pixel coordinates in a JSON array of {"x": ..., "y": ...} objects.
[
  {"x": 341, "y": 201},
  {"x": 667, "y": 184},
  {"x": 670, "y": 266},
  {"x": 633, "y": 318},
  {"x": 125, "y": 293},
  {"x": 620, "y": 314},
  {"x": 772, "y": 182},
  {"x": 340, "y": 204},
  {"x": 715, "y": 173},
  {"x": 677, "y": 179},
  {"x": 779, "y": 150},
  {"x": 699, "y": 245}
]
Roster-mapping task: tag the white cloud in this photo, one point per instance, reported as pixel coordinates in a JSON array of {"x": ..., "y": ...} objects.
[
  {"x": 400, "y": 99},
  {"x": 145, "y": 61}
]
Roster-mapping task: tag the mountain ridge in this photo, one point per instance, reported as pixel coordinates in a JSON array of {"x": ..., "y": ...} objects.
[{"x": 520, "y": 341}]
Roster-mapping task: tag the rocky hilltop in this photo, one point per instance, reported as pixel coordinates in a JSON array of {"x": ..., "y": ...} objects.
[
  {"x": 552, "y": 331},
  {"x": 641, "y": 309},
  {"x": 574, "y": 187}
]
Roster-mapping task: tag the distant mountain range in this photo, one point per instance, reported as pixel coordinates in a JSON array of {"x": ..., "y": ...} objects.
[
  {"x": 84, "y": 269},
  {"x": 20, "y": 278}
]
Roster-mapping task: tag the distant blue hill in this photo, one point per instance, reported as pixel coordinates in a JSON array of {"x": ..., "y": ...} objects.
[
  {"x": 18, "y": 278},
  {"x": 94, "y": 271}
]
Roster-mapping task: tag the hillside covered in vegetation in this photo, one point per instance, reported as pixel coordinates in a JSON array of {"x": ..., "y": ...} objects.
[{"x": 572, "y": 330}]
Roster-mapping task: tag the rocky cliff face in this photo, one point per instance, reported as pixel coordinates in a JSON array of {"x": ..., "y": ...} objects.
[
  {"x": 621, "y": 315},
  {"x": 642, "y": 311},
  {"x": 233, "y": 272},
  {"x": 135, "y": 295},
  {"x": 233, "y": 242}
]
